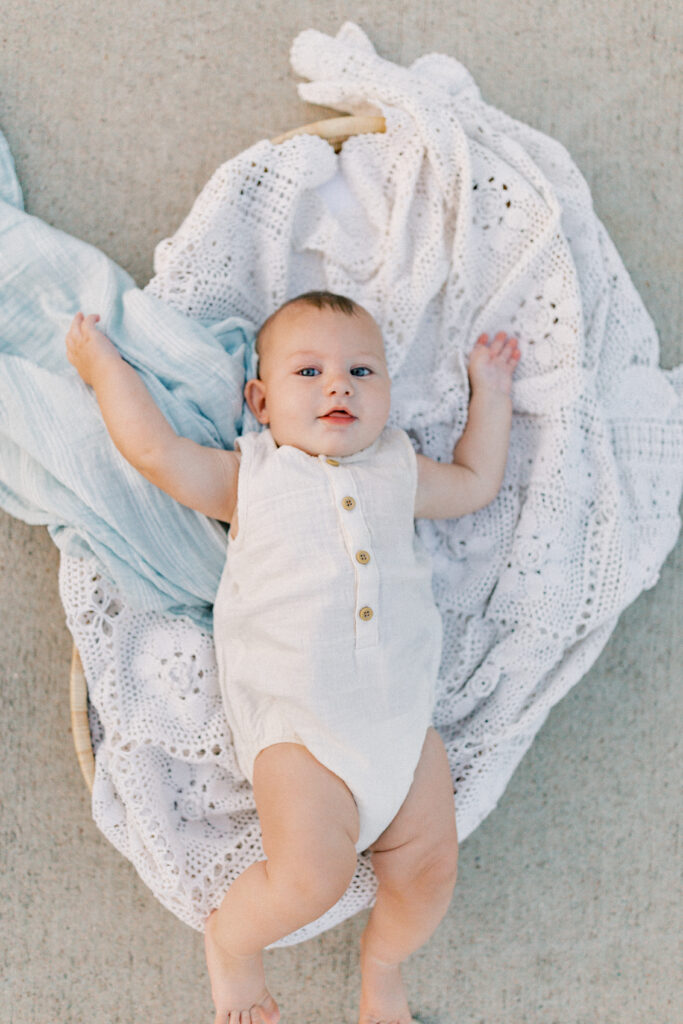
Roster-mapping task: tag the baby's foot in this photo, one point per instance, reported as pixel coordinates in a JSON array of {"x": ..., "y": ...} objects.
[
  {"x": 238, "y": 984},
  {"x": 383, "y": 997}
]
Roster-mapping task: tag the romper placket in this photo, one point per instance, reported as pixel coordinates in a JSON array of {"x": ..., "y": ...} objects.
[{"x": 359, "y": 549}]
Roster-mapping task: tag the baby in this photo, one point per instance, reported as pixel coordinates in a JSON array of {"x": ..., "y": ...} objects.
[{"x": 328, "y": 640}]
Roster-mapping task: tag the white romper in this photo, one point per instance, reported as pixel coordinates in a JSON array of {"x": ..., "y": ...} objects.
[{"x": 326, "y": 629}]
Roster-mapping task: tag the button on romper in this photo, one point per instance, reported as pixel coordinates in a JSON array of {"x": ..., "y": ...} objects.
[{"x": 325, "y": 624}]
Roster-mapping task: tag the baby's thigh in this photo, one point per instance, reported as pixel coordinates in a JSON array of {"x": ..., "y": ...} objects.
[
  {"x": 306, "y": 811},
  {"x": 423, "y": 834}
]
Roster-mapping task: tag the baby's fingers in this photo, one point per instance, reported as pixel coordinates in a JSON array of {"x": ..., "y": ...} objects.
[
  {"x": 515, "y": 353},
  {"x": 502, "y": 349},
  {"x": 74, "y": 327},
  {"x": 86, "y": 322},
  {"x": 510, "y": 350},
  {"x": 498, "y": 343},
  {"x": 73, "y": 335}
]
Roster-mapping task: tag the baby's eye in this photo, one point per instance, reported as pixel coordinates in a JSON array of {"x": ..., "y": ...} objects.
[
  {"x": 361, "y": 371},
  {"x": 308, "y": 371}
]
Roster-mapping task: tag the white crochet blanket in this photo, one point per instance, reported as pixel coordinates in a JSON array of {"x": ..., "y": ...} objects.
[{"x": 458, "y": 220}]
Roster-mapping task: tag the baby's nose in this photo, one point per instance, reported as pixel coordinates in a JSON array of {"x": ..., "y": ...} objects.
[{"x": 340, "y": 383}]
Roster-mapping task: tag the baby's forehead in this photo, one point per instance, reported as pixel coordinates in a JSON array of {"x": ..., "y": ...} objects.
[
  {"x": 302, "y": 315},
  {"x": 297, "y": 327}
]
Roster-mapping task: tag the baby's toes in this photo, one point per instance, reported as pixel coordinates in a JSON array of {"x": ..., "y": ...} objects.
[{"x": 266, "y": 1013}]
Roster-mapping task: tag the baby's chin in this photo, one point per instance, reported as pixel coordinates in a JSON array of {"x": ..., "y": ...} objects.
[{"x": 334, "y": 443}]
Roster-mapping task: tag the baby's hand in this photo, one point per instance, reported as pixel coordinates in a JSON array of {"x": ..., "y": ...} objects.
[
  {"x": 86, "y": 347},
  {"x": 492, "y": 362}
]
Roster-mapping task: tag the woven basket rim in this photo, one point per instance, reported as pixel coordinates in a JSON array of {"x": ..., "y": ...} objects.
[
  {"x": 336, "y": 130},
  {"x": 80, "y": 724}
]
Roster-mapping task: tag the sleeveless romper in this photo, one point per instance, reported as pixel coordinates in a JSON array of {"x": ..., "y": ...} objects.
[{"x": 326, "y": 629}]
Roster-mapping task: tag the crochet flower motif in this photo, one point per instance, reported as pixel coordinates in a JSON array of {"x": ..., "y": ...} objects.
[
  {"x": 499, "y": 211},
  {"x": 172, "y": 668},
  {"x": 483, "y": 682},
  {"x": 191, "y": 806},
  {"x": 536, "y": 564},
  {"x": 100, "y": 616},
  {"x": 176, "y": 675},
  {"x": 546, "y": 320},
  {"x": 540, "y": 556}
]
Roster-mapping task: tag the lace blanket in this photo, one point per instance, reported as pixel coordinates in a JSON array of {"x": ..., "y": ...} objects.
[{"x": 458, "y": 220}]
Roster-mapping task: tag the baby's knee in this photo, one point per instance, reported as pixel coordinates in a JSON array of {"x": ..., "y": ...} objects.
[
  {"x": 319, "y": 874},
  {"x": 428, "y": 863},
  {"x": 438, "y": 869},
  {"x": 442, "y": 867}
]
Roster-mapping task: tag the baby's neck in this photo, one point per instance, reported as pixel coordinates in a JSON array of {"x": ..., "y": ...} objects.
[{"x": 316, "y": 455}]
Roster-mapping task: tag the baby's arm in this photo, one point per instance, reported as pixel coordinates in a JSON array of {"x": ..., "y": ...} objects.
[
  {"x": 200, "y": 477},
  {"x": 472, "y": 480}
]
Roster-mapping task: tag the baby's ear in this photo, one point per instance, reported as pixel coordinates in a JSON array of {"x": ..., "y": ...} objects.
[{"x": 255, "y": 395}]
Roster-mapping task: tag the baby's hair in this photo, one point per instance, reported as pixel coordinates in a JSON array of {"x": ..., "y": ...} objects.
[{"x": 319, "y": 299}]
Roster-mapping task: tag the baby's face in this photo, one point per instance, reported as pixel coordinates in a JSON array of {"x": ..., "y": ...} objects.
[{"x": 313, "y": 362}]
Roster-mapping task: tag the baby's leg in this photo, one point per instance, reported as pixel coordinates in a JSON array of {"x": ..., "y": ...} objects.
[
  {"x": 415, "y": 860},
  {"x": 309, "y": 823}
]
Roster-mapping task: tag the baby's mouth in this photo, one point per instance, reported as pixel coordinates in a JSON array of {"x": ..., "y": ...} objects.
[{"x": 338, "y": 414}]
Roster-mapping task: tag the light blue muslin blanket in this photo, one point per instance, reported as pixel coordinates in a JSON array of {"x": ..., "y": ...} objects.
[{"x": 58, "y": 465}]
